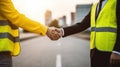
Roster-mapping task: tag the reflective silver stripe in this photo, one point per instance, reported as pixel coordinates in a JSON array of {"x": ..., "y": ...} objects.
[
  {"x": 104, "y": 29},
  {"x": 9, "y": 36},
  {"x": 6, "y": 22}
]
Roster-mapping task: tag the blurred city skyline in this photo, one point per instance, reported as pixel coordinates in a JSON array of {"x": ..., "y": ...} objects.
[{"x": 35, "y": 9}]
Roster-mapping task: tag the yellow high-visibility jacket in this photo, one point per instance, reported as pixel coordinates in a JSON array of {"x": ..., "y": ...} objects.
[
  {"x": 104, "y": 28},
  {"x": 10, "y": 20}
]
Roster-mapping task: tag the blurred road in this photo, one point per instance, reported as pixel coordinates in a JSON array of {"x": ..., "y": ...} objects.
[{"x": 42, "y": 52}]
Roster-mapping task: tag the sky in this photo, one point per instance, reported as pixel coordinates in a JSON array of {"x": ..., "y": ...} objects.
[{"x": 35, "y": 9}]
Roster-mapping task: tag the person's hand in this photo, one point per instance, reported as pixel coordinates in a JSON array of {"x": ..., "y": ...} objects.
[
  {"x": 54, "y": 33},
  {"x": 114, "y": 59}
]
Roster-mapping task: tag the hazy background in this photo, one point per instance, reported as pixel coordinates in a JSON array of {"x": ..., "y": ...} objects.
[
  {"x": 71, "y": 51},
  {"x": 35, "y": 9}
]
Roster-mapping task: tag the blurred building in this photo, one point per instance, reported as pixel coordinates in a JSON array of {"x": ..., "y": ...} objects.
[
  {"x": 48, "y": 17},
  {"x": 81, "y": 11},
  {"x": 62, "y": 21},
  {"x": 73, "y": 15}
]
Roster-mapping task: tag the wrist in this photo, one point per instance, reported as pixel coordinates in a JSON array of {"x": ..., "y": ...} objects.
[{"x": 62, "y": 30}]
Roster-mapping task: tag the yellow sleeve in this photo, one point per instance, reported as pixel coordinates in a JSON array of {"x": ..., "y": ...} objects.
[{"x": 8, "y": 11}]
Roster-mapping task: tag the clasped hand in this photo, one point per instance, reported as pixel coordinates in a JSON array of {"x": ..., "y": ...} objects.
[{"x": 54, "y": 33}]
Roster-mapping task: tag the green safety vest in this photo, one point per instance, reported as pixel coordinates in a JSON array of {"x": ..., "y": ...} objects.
[
  {"x": 9, "y": 37},
  {"x": 104, "y": 28}
]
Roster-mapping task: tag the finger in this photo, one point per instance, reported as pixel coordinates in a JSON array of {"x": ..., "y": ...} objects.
[
  {"x": 57, "y": 30},
  {"x": 52, "y": 36},
  {"x": 55, "y": 37}
]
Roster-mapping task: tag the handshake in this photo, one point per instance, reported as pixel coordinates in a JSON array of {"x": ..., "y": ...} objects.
[{"x": 54, "y": 33}]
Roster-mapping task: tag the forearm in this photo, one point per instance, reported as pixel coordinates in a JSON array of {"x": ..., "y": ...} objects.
[
  {"x": 77, "y": 27},
  {"x": 8, "y": 11}
]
